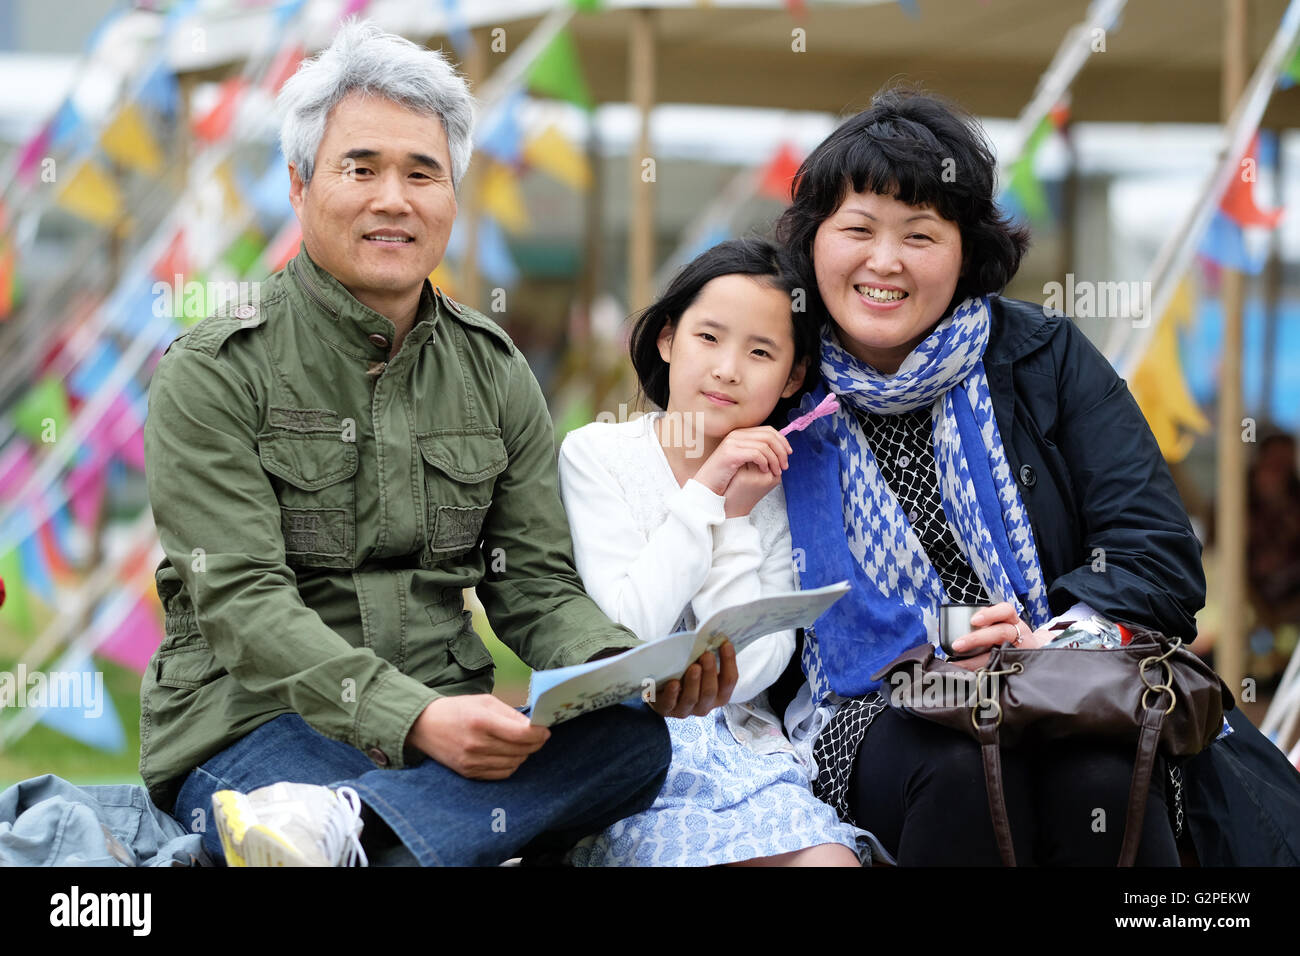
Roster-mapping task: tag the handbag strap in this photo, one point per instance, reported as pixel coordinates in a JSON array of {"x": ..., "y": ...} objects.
[
  {"x": 990, "y": 749},
  {"x": 1140, "y": 786}
]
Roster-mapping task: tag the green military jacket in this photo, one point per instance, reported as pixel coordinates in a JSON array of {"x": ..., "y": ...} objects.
[{"x": 322, "y": 506}]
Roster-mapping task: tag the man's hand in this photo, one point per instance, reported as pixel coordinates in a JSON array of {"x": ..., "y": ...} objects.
[
  {"x": 702, "y": 688},
  {"x": 476, "y": 735}
]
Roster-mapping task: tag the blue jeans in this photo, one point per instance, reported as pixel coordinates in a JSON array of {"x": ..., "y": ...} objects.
[{"x": 594, "y": 771}]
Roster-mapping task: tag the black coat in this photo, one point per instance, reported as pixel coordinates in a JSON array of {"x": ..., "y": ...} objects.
[
  {"x": 1109, "y": 525},
  {"x": 1093, "y": 481}
]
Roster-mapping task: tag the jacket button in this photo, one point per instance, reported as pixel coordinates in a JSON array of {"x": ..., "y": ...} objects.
[
  {"x": 1027, "y": 476},
  {"x": 379, "y": 341},
  {"x": 245, "y": 312},
  {"x": 378, "y": 756}
]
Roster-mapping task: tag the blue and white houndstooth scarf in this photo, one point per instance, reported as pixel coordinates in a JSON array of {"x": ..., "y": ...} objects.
[{"x": 846, "y": 523}]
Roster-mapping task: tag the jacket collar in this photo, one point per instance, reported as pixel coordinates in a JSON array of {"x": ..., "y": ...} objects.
[
  {"x": 1017, "y": 328},
  {"x": 337, "y": 317}
]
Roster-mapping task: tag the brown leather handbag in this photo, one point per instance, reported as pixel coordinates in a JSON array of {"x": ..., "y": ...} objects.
[{"x": 1152, "y": 692}]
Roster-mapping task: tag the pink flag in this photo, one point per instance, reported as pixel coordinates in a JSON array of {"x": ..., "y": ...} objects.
[
  {"x": 136, "y": 638},
  {"x": 33, "y": 152},
  {"x": 15, "y": 469},
  {"x": 85, "y": 484}
]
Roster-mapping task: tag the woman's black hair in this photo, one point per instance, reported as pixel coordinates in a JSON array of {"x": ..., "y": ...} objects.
[
  {"x": 752, "y": 256},
  {"x": 920, "y": 149}
]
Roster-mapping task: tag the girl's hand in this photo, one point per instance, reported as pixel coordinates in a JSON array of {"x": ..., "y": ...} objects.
[
  {"x": 761, "y": 447},
  {"x": 747, "y": 487},
  {"x": 998, "y": 624}
]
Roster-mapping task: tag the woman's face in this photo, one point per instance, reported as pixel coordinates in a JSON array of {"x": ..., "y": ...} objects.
[{"x": 886, "y": 271}]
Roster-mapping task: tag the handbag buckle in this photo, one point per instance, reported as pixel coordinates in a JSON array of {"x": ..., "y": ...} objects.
[
  {"x": 1167, "y": 686},
  {"x": 990, "y": 699}
]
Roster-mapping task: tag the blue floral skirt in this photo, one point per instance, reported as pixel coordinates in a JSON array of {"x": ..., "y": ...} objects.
[{"x": 722, "y": 802}]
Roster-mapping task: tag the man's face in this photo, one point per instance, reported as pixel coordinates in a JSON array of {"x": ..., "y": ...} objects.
[{"x": 380, "y": 205}]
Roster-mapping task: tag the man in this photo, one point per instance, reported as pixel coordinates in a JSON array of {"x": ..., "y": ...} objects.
[{"x": 329, "y": 469}]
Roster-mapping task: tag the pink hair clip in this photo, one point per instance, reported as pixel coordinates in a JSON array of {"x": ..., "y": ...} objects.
[{"x": 827, "y": 405}]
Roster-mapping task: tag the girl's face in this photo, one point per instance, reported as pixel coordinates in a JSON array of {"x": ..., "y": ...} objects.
[
  {"x": 730, "y": 355},
  {"x": 886, "y": 272}
]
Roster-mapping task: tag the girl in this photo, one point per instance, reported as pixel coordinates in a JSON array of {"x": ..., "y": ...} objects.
[{"x": 680, "y": 513}]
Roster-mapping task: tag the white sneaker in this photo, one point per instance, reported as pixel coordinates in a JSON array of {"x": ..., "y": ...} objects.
[{"x": 290, "y": 824}]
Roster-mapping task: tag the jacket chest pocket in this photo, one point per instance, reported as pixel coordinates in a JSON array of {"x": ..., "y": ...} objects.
[
  {"x": 314, "y": 476},
  {"x": 460, "y": 470}
]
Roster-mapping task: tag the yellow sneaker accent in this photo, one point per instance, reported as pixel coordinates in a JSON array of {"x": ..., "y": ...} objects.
[{"x": 246, "y": 842}]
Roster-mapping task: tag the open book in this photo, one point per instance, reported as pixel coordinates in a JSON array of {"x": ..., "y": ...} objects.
[{"x": 563, "y": 693}]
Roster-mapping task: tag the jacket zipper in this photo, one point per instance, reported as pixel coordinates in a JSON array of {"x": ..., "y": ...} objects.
[
  {"x": 310, "y": 288},
  {"x": 376, "y": 368}
]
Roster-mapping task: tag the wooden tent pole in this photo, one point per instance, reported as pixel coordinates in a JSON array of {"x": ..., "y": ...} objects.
[
  {"x": 641, "y": 235},
  {"x": 1229, "y": 648},
  {"x": 475, "y": 69}
]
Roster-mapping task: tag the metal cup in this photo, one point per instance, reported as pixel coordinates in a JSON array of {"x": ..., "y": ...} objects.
[{"x": 954, "y": 622}]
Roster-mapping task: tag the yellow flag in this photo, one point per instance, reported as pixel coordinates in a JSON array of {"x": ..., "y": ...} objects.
[
  {"x": 91, "y": 194},
  {"x": 441, "y": 278},
  {"x": 551, "y": 153},
  {"x": 1160, "y": 387},
  {"x": 129, "y": 140},
  {"x": 502, "y": 199}
]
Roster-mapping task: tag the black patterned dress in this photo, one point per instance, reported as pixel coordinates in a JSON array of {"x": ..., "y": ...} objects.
[{"x": 904, "y": 448}]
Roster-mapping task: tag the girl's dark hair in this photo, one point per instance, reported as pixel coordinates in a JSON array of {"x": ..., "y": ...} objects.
[
  {"x": 754, "y": 257},
  {"x": 922, "y": 150}
]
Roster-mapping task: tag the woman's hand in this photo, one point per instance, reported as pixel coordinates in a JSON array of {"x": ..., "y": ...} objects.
[
  {"x": 995, "y": 625},
  {"x": 745, "y": 466}
]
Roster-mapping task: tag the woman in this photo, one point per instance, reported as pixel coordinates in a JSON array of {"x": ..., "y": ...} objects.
[{"x": 984, "y": 452}]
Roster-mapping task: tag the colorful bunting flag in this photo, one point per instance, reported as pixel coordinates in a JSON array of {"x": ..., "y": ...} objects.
[
  {"x": 56, "y": 559},
  {"x": 494, "y": 259},
  {"x": 244, "y": 252},
  {"x": 457, "y": 27},
  {"x": 557, "y": 73},
  {"x": 8, "y": 267},
  {"x": 175, "y": 261},
  {"x": 65, "y": 126},
  {"x": 215, "y": 124},
  {"x": 85, "y": 487},
  {"x": 15, "y": 469},
  {"x": 92, "y": 195},
  {"x": 352, "y": 8},
  {"x": 441, "y": 278},
  {"x": 90, "y": 716},
  {"x": 91, "y": 372},
  {"x": 282, "y": 248},
  {"x": 1239, "y": 199},
  {"x": 285, "y": 65},
  {"x": 1290, "y": 74},
  {"x": 501, "y": 136},
  {"x": 552, "y": 153},
  {"x": 42, "y": 413},
  {"x": 129, "y": 141},
  {"x": 158, "y": 89},
  {"x": 778, "y": 176},
  {"x": 133, "y": 642},
  {"x": 502, "y": 198},
  {"x": 33, "y": 151},
  {"x": 1225, "y": 245},
  {"x": 35, "y": 571}
]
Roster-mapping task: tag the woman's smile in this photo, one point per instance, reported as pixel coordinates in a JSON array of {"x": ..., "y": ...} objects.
[{"x": 887, "y": 272}]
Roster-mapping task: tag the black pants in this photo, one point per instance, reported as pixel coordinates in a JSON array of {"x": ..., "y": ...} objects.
[{"x": 920, "y": 788}]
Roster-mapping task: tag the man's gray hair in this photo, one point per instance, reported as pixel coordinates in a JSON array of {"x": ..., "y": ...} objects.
[{"x": 364, "y": 59}]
